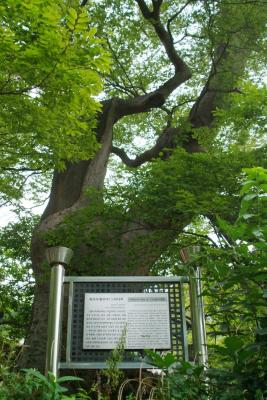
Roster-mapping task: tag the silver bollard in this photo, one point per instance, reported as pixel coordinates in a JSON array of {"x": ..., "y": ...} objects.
[
  {"x": 197, "y": 307},
  {"x": 58, "y": 257}
]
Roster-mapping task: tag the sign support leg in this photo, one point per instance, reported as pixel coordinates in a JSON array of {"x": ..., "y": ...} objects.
[
  {"x": 188, "y": 255},
  {"x": 58, "y": 257},
  {"x": 198, "y": 319}
]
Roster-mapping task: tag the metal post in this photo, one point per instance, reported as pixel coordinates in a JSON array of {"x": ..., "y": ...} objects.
[
  {"x": 197, "y": 307},
  {"x": 198, "y": 321},
  {"x": 58, "y": 257}
]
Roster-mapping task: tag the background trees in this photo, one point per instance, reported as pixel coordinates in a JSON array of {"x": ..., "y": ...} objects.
[{"x": 183, "y": 111}]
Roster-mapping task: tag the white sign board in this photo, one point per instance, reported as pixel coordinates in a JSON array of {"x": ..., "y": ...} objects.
[{"x": 143, "y": 319}]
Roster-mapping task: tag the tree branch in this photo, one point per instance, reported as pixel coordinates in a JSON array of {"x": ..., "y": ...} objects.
[
  {"x": 182, "y": 73},
  {"x": 164, "y": 36},
  {"x": 173, "y": 17},
  {"x": 206, "y": 237},
  {"x": 163, "y": 141},
  {"x": 227, "y": 66},
  {"x": 121, "y": 66},
  {"x": 166, "y": 140},
  {"x": 201, "y": 113}
]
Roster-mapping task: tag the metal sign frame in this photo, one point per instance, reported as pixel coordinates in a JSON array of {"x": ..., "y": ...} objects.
[
  {"x": 114, "y": 284},
  {"x": 59, "y": 257}
]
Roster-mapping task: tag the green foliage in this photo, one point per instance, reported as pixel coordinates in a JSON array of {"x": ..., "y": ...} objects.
[
  {"x": 16, "y": 278},
  {"x": 30, "y": 384},
  {"x": 244, "y": 124},
  {"x": 253, "y": 212},
  {"x": 51, "y": 61},
  {"x": 9, "y": 352},
  {"x": 234, "y": 279},
  {"x": 245, "y": 374},
  {"x": 180, "y": 380},
  {"x": 113, "y": 373},
  {"x": 162, "y": 197},
  {"x": 245, "y": 378},
  {"x": 235, "y": 283},
  {"x": 109, "y": 379}
]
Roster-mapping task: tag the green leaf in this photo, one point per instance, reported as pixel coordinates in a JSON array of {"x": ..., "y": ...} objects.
[
  {"x": 69, "y": 379},
  {"x": 249, "y": 197},
  {"x": 247, "y": 216},
  {"x": 234, "y": 343}
]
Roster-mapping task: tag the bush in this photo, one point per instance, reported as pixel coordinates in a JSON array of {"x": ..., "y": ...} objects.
[{"x": 30, "y": 384}]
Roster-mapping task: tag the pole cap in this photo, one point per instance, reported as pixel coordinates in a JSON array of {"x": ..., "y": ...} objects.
[
  {"x": 188, "y": 253},
  {"x": 58, "y": 255}
]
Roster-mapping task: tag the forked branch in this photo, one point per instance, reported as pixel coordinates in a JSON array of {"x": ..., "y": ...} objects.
[
  {"x": 201, "y": 113},
  {"x": 182, "y": 73},
  {"x": 166, "y": 140},
  {"x": 163, "y": 141}
]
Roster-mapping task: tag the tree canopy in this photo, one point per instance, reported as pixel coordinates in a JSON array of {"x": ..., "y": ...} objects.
[{"x": 51, "y": 67}]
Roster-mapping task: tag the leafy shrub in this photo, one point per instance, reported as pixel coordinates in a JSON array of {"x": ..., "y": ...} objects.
[
  {"x": 30, "y": 384},
  {"x": 179, "y": 380}
]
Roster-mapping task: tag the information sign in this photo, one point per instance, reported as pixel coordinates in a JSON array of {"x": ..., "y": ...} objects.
[{"x": 142, "y": 319}]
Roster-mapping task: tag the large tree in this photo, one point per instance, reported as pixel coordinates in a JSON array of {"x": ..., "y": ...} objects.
[{"x": 185, "y": 85}]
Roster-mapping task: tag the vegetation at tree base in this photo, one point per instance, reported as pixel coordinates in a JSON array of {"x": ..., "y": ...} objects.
[
  {"x": 169, "y": 97},
  {"x": 31, "y": 384}
]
